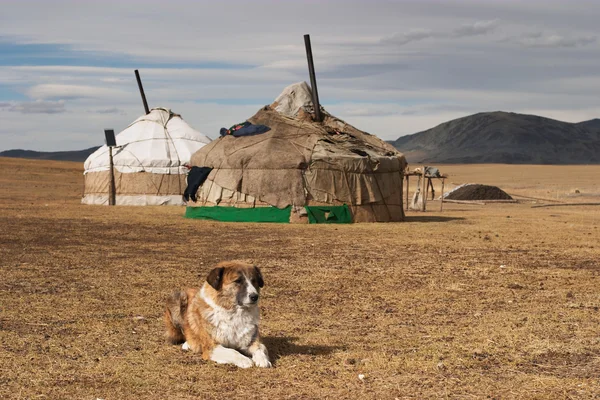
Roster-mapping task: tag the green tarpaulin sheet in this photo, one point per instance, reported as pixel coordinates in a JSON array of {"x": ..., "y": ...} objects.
[
  {"x": 316, "y": 214},
  {"x": 329, "y": 214},
  {"x": 234, "y": 214}
]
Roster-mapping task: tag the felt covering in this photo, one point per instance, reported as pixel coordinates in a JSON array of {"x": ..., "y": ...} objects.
[{"x": 304, "y": 163}]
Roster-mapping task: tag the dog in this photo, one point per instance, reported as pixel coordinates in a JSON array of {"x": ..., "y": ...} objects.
[{"x": 220, "y": 319}]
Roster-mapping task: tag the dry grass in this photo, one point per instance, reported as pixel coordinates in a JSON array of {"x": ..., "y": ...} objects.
[{"x": 496, "y": 301}]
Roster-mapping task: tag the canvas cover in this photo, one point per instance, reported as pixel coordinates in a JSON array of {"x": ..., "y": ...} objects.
[
  {"x": 149, "y": 161},
  {"x": 301, "y": 163}
]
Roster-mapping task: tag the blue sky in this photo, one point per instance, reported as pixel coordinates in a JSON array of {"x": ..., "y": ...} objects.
[
  {"x": 31, "y": 54},
  {"x": 391, "y": 67}
]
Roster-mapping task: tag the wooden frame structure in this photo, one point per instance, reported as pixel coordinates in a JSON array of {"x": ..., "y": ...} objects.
[{"x": 425, "y": 185}]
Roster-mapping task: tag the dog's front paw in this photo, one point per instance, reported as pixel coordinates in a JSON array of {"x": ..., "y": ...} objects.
[
  {"x": 243, "y": 362},
  {"x": 224, "y": 355},
  {"x": 185, "y": 346},
  {"x": 261, "y": 360}
]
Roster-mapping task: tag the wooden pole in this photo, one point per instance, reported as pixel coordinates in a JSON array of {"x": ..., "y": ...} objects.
[
  {"x": 313, "y": 79},
  {"x": 423, "y": 190},
  {"x": 111, "y": 188},
  {"x": 442, "y": 198},
  {"x": 407, "y": 178},
  {"x": 430, "y": 184},
  {"x": 139, "y": 82}
]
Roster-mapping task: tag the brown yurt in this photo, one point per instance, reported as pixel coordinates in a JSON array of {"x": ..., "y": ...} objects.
[{"x": 299, "y": 171}]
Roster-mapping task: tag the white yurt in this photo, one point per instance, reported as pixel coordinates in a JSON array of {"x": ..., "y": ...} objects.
[{"x": 150, "y": 162}]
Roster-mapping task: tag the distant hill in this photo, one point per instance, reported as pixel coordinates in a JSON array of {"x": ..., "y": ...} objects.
[
  {"x": 508, "y": 138},
  {"x": 593, "y": 125},
  {"x": 77, "y": 155}
]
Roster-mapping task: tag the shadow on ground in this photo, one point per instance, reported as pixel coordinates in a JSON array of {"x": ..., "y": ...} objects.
[
  {"x": 284, "y": 346},
  {"x": 431, "y": 218}
]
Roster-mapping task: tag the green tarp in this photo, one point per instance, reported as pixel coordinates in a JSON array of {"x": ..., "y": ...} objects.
[
  {"x": 316, "y": 214},
  {"x": 329, "y": 214},
  {"x": 234, "y": 214}
]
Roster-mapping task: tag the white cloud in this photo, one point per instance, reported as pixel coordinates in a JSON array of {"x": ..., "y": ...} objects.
[
  {"x": 414, "y": 35},
  {"x": 541, "y": 39},
  {"x": 554, "y": 41},
  {"x": 286, "y": 64},
  {"x": 352, "y": 110},
  {"x": 113, "y": 110},
  {"x": 476, "y": 28},
  {"x": 38, "y": 107},
  {"x": 62, "y": 91}
]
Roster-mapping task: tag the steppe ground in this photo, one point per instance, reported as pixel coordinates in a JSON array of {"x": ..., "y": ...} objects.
[{"x": 494, "y": 301}]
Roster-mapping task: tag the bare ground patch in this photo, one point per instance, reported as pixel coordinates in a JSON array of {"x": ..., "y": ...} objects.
[{"x": 498, "y": 302}]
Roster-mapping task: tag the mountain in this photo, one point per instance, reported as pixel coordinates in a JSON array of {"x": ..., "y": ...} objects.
[
  {"x": 593, "y": 125},
  {"x": 508, "y": 138},
  {"x": 77, "y": 155}
]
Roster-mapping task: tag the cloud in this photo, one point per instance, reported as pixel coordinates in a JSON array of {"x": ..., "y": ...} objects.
[
  {"x": 414, "y": 35},
  {"x": 476, "y": 28},
  {"x": 432, "y": 109},
  {"x": 368, "y": 110},
  {"x": 5, "y": 105},
  {"x": 38, "y": 107},
  {"x": 287, "y": 64},
  {"x": 539, "y": 39},
  {"x": 113, "y": 110},
  {"x": 114, "y": 80},
  {"x": 61, "y": 91},
  {"x": 351, "y": 71}
]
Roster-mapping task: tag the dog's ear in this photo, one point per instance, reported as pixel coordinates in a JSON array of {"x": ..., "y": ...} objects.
[
  {"x": 215, "y": 278},
  {"x": 259, "y": 277}
]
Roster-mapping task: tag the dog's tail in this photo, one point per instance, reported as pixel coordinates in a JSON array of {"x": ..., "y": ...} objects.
[{"x": 177, "y": 305}]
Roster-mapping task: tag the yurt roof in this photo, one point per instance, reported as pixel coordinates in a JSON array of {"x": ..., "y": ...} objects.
[{"x": 159, "y": 142}]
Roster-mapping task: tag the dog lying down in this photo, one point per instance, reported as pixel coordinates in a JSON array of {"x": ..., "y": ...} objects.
[{"x": 220, "y": 319}]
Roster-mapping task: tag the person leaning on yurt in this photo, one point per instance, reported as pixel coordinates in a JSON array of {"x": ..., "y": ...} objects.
[
  {"x": 290, "y": 168},
  {"x": 150, "y": 162}
]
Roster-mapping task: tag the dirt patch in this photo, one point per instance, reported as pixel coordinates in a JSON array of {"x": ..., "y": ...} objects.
[{"x": 567, "y": 365}]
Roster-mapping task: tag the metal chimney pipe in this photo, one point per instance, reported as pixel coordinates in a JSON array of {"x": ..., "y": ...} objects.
[
  {"x": 313, "y": 79},
  {"x": 139, "y": 81}
]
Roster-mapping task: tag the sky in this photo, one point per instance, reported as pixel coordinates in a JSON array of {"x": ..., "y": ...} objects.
[{"x": 389, "y": 67}]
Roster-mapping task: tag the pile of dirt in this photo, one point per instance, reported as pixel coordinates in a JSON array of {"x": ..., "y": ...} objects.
[{"x": 478, "y": 192}]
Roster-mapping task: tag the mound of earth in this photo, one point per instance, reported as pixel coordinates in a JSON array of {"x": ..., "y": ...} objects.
[{"x": 477, "y": 192}]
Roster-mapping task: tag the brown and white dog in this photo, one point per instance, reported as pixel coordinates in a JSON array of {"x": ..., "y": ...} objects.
[{"x": 220, "y": 319}]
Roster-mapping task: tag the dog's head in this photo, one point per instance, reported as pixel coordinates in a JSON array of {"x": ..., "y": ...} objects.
[{"x": 236, "y": 284}]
